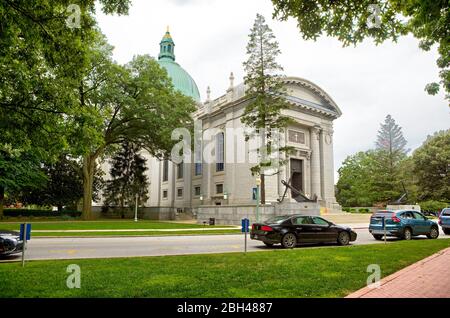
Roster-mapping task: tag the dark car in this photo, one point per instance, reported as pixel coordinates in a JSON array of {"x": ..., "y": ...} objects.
[
  {"x": 10, "y": 243},
  {"x": 291, "y": 230},
  {"x": 402, "y": 224}
]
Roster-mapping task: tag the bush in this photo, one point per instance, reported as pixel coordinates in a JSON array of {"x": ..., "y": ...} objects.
[
  {"x": 346, "y": 209},
  {"x": 364, "y": 210},
  {"x": 39, "y": 213},
  {"x": 433, "y": 206}
]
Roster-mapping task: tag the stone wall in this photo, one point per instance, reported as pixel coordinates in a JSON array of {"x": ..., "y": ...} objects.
[{"x": 232, "y": 215}]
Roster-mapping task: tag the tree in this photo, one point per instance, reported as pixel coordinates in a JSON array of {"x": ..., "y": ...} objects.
[
  {"x": 64, "y": 185},
  {"x": 264, "y": 88},
  {"x": 432, "y": 167},
  {"x": 135, "y": 103},
  {"x": 354, "y": 187},
  {"x": 128, "y": 178},
  {"x": 391, "y": 151},
  {"x": 42, "y": 60},
  {"x": 17, "y": 170},
  {"x": 390, "y": 139},
  {"x": 354, "y": 20}
]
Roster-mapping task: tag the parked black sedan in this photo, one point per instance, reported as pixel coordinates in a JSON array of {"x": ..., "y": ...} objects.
[
  {"x": 291, "y": 230},
  {"x": 10, "y": 243}
]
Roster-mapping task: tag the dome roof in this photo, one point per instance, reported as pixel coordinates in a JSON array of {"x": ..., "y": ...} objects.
[{"x": 181, "y": 79}]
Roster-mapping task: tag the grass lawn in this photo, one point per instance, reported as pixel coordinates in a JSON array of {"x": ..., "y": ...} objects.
[
  {"x": 318, "y": 272},
  {"x": 101, "y": 225}
]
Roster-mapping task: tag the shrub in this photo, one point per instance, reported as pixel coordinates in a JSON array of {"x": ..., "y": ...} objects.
[
  {"x": 433, "y": 206},
  {"x": 364, "y": 210},
  {"x": 39, "y": 213}
]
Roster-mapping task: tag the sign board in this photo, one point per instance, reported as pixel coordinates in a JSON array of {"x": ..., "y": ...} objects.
[
  {"x": 245, "y": 225},
  {"x": 255, "y": 194},
  {"x": 25, "y": 231}
]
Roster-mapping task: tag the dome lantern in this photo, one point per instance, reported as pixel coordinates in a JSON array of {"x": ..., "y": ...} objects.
[{"x": 181, "y": 79}]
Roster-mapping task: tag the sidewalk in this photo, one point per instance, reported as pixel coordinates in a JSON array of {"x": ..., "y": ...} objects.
[
  {"x": 205, "y": 229},
  {"x": 428, "y": 278}
]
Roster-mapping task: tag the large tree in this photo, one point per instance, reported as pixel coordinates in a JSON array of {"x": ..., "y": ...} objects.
[
  {"x": 18, "y": 169},
  {"x": 391, "y": 141},
  {"x": 352, "y": 21},
  {"x": 42, "y": 58},
  {"x": 63, "y": 187},
  {"x": 432, "y": 167},
  {"x": 354, "y": 187},
  {"x": 135, "y": 103},
  {"x": 128, "y": 178},
  {"x": 265, "y": 89},
  {"x": 391, "y": 146}
]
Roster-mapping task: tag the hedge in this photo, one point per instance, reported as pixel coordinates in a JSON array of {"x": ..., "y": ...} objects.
[{"x": 39, "y": 213}]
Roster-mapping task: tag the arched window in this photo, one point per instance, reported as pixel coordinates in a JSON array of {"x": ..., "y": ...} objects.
[{"x": 220, "y": 152}]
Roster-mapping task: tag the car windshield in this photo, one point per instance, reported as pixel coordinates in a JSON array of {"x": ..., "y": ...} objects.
[
  {"x": 446, "y": 212},
  {"x": 276, "y": 220}
]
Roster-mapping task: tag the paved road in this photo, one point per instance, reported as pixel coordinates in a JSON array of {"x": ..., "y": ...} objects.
[{"x": 112, "y": 247}]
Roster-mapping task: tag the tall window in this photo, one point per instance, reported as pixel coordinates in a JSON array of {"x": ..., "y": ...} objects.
[
  {"x": 198, "y": 159},
  {"x": 180, "y": 171},
  {"x": 198, "y": 169},
  {"x": 166, "y": 170},
  {"x": 220, "y": 152}
]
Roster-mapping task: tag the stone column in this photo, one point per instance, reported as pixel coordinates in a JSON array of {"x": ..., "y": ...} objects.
[{"x": 315, "y": 162}]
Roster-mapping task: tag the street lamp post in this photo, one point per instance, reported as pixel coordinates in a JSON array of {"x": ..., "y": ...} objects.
[{"x": 136, "y": 209}]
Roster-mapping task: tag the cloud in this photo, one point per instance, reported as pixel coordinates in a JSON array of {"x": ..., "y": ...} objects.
[{"x": 367, "y": 82}]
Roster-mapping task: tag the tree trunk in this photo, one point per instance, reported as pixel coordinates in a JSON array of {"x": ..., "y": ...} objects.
[
  {"x": 2, "y": 197},
  {"x": 88, "y": 182},
  {"x": 263, "y": 189}
]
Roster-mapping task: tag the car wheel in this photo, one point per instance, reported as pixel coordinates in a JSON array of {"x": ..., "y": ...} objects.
[
  {"x": 268, "y": 244},
  {"x": 378, "y": 237},
  {"x": 447, "y": 231},
  {"x": 343, "y": 238},
  {"x": 407, "y": 234},
  {"x": 434, "y": 233},
  {"x": 289, "y": 240}
]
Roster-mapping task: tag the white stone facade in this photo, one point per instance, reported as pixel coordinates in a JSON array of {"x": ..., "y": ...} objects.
[{"x": 313, "y": 111}]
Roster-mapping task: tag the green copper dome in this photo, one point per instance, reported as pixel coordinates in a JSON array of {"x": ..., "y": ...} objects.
[{"x": 181, "y": 79}]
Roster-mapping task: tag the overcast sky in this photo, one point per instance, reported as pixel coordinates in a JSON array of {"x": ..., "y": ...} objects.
[{"x": 367, "y": 82}]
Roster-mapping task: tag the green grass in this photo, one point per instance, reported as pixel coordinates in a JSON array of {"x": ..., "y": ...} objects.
[
  {"x": 101, "y": 225},
  {"x": 145, "y": 233},
  {"x": 318, "y": 272}
]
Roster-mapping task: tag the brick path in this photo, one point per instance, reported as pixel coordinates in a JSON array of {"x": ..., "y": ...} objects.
[{"x": 429, "y": 278}]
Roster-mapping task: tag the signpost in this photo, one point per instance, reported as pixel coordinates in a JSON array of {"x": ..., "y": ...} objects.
[
  {"x": 258, "y": 184},
  {"x": 25, "y": 235},
  {"x": 245, "y": 225},
  {"x": 136, "y": 209}
]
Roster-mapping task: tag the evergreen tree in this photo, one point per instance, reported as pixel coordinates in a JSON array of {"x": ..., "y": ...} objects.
[
  {"x": 265, "y": 90},
  {"x": 128, "y": 169},
  {"x": 391, "y": 151},
  {"x": 390, "y": 139}
]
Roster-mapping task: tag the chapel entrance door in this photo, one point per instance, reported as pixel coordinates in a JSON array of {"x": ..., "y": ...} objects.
[{"x": 297, "y": 176}]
